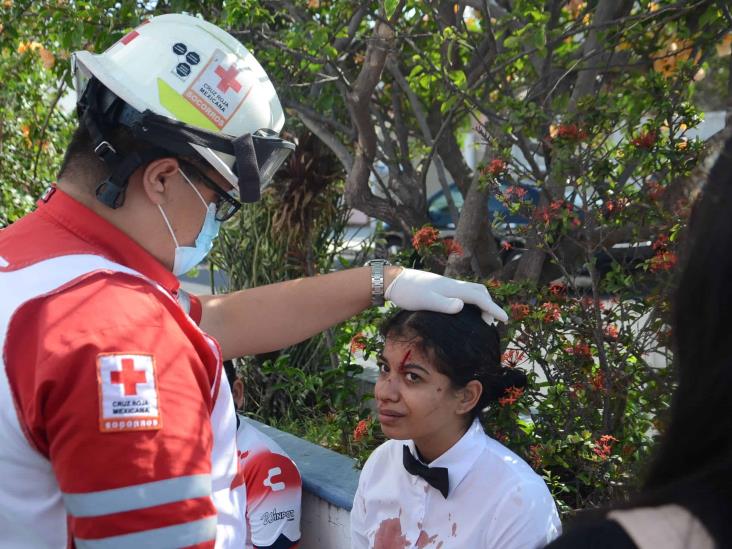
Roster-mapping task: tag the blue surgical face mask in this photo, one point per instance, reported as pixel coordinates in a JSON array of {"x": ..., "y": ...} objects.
[{"x": 187, "y": 257}]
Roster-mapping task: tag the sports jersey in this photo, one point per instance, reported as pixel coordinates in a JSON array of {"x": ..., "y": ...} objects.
[
  {"x": 273, "y": 490},
  {"x": 117, "y": 424},
  {"x": 495, "y": 500}
]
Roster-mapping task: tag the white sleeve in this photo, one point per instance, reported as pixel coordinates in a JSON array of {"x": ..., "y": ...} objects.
[
  {"x": 529, "y": 517},
  {"x": 359, "y": 539}
]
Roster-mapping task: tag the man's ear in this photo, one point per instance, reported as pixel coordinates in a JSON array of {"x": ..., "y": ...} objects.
[
  {"x": 157, "y": 177},
  {"x": 469, "y": 396},
  {"x": 237, "y": 391}
]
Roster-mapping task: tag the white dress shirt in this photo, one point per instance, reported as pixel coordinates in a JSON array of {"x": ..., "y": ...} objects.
[{"x": 495, "y": 500}]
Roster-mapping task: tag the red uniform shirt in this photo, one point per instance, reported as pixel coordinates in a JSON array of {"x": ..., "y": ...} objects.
[{"x": 116, "y": 420}]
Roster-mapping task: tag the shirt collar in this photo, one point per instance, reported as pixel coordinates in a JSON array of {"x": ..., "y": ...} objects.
[
  {"x": 105, "y": 238},
  {"x": 461, "y": 457}
]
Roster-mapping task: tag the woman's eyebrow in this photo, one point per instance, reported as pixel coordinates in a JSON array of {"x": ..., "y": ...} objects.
[{"x": 413, "y": 366}]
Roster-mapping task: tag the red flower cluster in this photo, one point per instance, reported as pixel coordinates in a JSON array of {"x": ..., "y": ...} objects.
[
  {"x": 535, "y": 456},
  {"x": 663, "y": 261},
  {"x": 557, "y": 288},
  {"x": 452, "y": 246},
  {"x": 661, "y": 243},
  {"x": 358, "y": 342},
  {"x": 361, "y": 429},
  {"x": 515, "y": 191},
  {"x": 604, "y": 446},
  {"x": 557, "y": 204},
  {"x": 598, "y": 381},
  {"x": 501, "y": 436},
  {"x": 612, "y": 332},
  {"x": 543, "y": 214},
  {"x": 425, "y": 237},
  {"x": 612, "y": 206},
  {"x": 493, "y": 284},
  {"x": 512, "y": 358},
  {"x": 552, "y": 312},
  {"x": 495, "y": 167},
  {"x": 519, "y": 311},
  {"x": 512, "y": 396},
  {"x": 571, "y": 132},
  {"x": 654, "y": 189},
  {"x": 580, "y": 349},
  {"x": 646, "y": 140}
]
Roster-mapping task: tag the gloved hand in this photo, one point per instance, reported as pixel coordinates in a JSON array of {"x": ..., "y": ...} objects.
[{"x": 415, "y": 290}]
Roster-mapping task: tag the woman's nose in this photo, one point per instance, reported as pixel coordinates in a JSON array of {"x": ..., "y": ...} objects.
[{"x": 386, "y": 388}]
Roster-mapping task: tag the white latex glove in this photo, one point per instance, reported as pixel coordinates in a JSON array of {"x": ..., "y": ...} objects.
[{"x": 418, "y": 290}]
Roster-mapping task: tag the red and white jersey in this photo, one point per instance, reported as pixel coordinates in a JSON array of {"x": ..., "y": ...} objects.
[
  {"x": 116, "y": 422},
  {"x": 273, "y": 490}
]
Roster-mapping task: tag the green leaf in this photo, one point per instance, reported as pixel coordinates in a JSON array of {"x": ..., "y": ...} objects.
[{"x": 390, "y": 7}]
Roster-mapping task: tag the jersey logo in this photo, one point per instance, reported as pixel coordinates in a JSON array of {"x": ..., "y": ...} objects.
[
  {"x": 275, "y": 486},
  {"x": 128, "y": 393}
]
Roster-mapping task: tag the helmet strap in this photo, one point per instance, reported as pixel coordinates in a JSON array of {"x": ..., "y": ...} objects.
[{"x": 97, "y": 110}]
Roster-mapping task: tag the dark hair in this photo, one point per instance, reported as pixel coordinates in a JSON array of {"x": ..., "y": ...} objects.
[
  {"x": 83, "y": 167},
  {"x": 230, "y": 370},
  {"x": 693, "y": 465},
  {"x": 462, "y": 346}
]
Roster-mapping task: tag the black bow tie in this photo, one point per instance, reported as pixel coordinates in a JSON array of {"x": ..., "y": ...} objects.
[{"x": 435, "y": 476}]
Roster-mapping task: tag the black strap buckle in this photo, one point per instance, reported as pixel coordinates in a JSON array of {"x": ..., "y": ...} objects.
[{"x": 103, "y": 149}]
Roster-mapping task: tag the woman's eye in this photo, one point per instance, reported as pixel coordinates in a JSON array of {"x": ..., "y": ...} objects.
[
  {"x": 383, "y": 368},
  {"x": 412, "y": 377}
]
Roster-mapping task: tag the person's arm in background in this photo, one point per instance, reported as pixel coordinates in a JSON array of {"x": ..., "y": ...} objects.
[
  {"x": 275, "y": 316},
  {"x": 119, "y": 402}
]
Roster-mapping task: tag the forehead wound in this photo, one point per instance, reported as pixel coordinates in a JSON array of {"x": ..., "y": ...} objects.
[{"x": 405, "y": 358}]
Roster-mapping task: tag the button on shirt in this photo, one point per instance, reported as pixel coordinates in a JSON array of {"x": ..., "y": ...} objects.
[{"x": 495, "y": 500}]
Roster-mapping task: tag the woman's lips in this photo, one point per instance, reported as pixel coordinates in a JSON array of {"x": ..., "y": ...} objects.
[{"x": 389, "y": 417}]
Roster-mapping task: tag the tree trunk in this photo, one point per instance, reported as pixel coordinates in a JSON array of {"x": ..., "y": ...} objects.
[{"x": 468, "y": 234}]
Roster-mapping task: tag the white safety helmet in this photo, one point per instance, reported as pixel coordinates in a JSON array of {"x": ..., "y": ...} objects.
[{"x": 185, "y": 86}]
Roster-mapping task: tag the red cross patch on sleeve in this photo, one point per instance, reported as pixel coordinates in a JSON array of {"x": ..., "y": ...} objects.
[{"x": 128, "y": 393}]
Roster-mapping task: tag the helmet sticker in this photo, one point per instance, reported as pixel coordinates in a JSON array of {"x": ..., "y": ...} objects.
[
  {"x": 183, "y": 68},
  {"x": 129, "y": 37},
  {"x": 220, "y": 88}
]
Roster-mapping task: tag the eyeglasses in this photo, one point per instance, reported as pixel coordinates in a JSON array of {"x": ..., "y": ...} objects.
[{"x": 226, "y": 204}]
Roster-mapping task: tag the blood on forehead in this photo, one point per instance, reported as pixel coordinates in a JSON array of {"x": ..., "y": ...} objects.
[{"x": 404, "y": 360}]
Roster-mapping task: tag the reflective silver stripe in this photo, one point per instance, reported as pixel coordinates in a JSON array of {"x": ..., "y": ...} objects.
[
  {"x": 180, "y": 535},
  {"x": 184, "y": 300},
  {"x": 140, "y": 496}
]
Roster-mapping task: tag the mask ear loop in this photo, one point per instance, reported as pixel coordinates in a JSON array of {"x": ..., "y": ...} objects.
[
  {"x": 170, "y": 229},
  {"x": 205, "y": 204}
]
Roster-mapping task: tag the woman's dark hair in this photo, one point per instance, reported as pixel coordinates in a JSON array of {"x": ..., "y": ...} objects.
[
  {"x": 462, "y": 346},
  {"x": 693, "y": 465}
]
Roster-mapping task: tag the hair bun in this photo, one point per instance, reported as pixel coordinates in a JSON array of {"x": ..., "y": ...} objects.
[{"x": 496, "y": 384}]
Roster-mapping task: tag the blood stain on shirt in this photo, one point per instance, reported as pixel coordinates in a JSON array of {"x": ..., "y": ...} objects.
[
  {"x": 424, "y": 540},
  {"x": 454, "y": 529},
  {"x": 389, "y": 535}
]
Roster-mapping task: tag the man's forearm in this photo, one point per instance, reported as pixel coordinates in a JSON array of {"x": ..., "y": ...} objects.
[{"x": 275, "y": 316}]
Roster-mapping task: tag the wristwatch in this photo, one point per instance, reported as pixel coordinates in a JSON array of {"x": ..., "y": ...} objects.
[{"x": 377, "y": 280}]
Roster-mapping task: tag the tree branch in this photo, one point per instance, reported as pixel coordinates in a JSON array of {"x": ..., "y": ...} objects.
[{"x": 332, "y": 142}]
